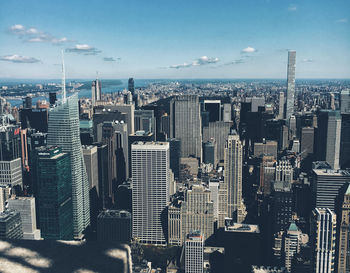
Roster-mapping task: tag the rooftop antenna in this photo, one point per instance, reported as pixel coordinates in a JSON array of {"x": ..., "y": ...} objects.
[
  {"x": 63, "y": 80},
  {"x": 96, "y": 75}
]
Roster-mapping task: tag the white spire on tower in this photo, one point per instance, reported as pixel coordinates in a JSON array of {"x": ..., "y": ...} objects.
[{"x": 63, "y": 80}]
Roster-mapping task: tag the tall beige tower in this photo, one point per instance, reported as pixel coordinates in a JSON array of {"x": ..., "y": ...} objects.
[
  {"x": 233, "y": 178},
  {"x": 344, "y": 235}
]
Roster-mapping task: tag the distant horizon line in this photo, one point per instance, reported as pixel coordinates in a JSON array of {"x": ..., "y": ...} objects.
[{"x": 88, "y": 79}]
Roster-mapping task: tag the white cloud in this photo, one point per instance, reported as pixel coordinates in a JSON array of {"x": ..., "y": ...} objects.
[
  {"x": 33, "y": 35},
  {"x": 110, "y": 59},
  {"x": 248, "y": 50},
  {"x": 292, "y": 8},
  {"x": 18, "y": 59},
  {"x": 83, "y": 49},
  {"x": 204, "y": 60},
  {"x": 307, "y": 60},
  {"x": 342, "y": 20}
]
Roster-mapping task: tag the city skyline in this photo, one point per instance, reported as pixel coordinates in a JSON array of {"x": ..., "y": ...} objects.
[{"x": 225, "y": 40}]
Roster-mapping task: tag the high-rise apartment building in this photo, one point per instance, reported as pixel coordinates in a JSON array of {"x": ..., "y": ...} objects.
[
  {"x": 344, "y": 235},
  {"x": 63, "y": 131},
  {"x": 26, "y": 207},
  {"x": 53, "y": 177},
  {"x": 95, "y": 92},
  {"x": 185, "y": 112},
  {"x": 150, "y": 192},
  {"x": 290, "y": 84},
  {"x": 194, "y": 249},
  {"x": 328, "y": 137},
  {"x": 323, "y": 234},
  {"x": 233, "y": 177}
]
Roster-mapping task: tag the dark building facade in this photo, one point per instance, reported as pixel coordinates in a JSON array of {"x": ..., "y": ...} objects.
[
  {"x": 54, "y": 193},
  {"x": 114, "y": 226},
  {"x": 175, "y": 155},
  {"x": 34, "y": 118}
]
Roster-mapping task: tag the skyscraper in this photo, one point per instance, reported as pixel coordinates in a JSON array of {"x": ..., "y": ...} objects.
[
  {"x": 327, "y": 184},
  {"x": 187, "y": 124},
  {"x": 131, "y": 86},
  {"x": 26, "y": 207},
  {"x": 323, "y": 232},
  {"x": 281, "y": 105},
  {"x": 345, "y": 101},
  {"x": 197, "y": 212},
  {"x": 344, "y": 235},
  {"x": 53, "y": 177},
  {"x": 95, "y": 92},
  {"x": 328, "y": 137},
  {"x": 291, "y": 244},
  {"x": 194, "y": 249},
  {"x": 233, "y": 177},
  {"x": 63, "y": 131},
  {"x": 150, "y": 193},
  {"x": 290, "y": 83}
]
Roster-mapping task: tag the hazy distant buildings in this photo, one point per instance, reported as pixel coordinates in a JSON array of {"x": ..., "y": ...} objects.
[
  {"x": 96, "y": 92},
  {"x": 328, "y": 137},
  {"x": 290, "y": 84},
  {"x": 185, "y": 111},
  {"x": 150, "y": 194},
  {"x": 323, "y": 234},
  {"x": 64, "y": 132}
]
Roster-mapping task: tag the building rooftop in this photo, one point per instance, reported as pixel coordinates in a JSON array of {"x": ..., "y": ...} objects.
[
  {"x": 236, "y": 227},
  {"x": 114, "y": 214},
  {"x": 331, "y": 172}
]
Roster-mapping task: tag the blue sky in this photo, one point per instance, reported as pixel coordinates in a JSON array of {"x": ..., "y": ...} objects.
[{"x": 174, "y": 39}]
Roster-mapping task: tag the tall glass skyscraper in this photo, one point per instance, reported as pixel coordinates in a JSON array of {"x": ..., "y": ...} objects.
[
  {"x": 54, "y": 193},
  {"x": 290, "y": 83},
  {"x": 63, "y": 131},
  {"x": 95, "y": 91}
]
